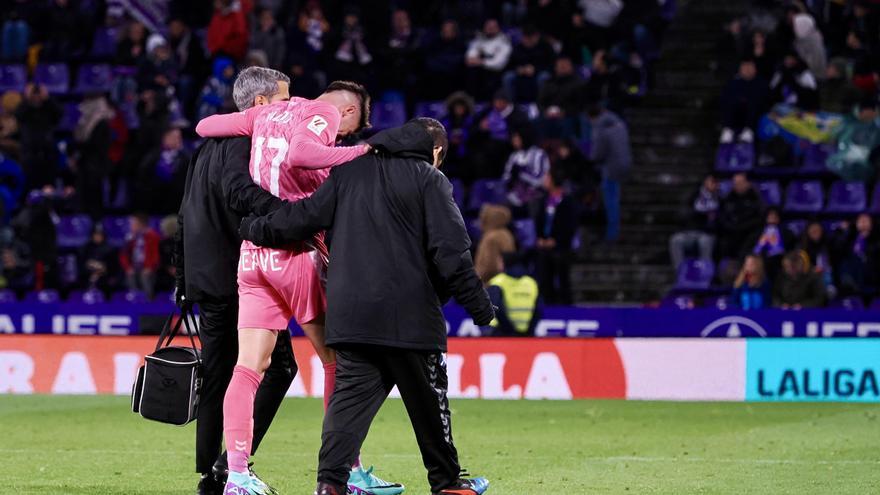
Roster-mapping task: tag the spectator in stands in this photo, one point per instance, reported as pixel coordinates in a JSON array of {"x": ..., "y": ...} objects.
[
  {"x": 38, "y": 116},
  {"x": 16, "y": 37},
  {"x": 609, "y": 81},
  {"x": 610, "y": 151},
  {"x": 816, "y": 245},
  {"x": 217, "y": 93},
  {"x": 490, "y": 139},
  {"x": 9, "y": 133},
  {"x": 743, "y": 102},
  {"x": 132, "y": 46},
  {"x": 163, "y": 175},
  {"x": 66, "y": 32},
  {"x": 167, "y": 269},
  {"x": 556, "y": 220},
  {"x": 93, "y": 137},
  {"x": 12, "y": 183},
  {"x": 228, "y": 32},
  {"x": 599, "y": 17},
  {"x": 157, "y": 70},
  {"x": 35, "y": 226},
  {"x": 772, "y": 242},
  {"x": 794, "y": 84},
  {"x": 309, "y": 83},
  {"x": 515, "y": 295},
  {"x": 529, "y": 66},
  {"x": 445, "y": 65},
  {"x": 486, "y": 58},
  {"x": 837, "y": 94},
  {"x": 458, "y": 123},
  {"x": 268, "y": 37},
  {"x": 17, "y": 267},
  {"x": 495, "y": 240},
  {"x": 525, "y": 169},
  {"x": 809, "y": 44},
  {"x": 857, "y": 140},
  {"x": 751, "y": 289},
  {"x": 401, "y": 55},
  {"x": 189, "y": 57},
  {"x": 352, "y": 56},
  {"x": 762, "y": 52},
  {"x": 99, "y": 263},
  {"x": 309, "y": 36},
  {"x": 701, "y": 213},
  {"x": 139, "y": 257},
  {"x": 561, "y": 94},
  {"x": 739, "y": 218},
  {"x": 798, "y": 286},
  {"x": 856, "y": 249}
]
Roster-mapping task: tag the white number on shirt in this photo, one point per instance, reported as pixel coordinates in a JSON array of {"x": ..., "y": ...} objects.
[{"x": 280, "y": 146}]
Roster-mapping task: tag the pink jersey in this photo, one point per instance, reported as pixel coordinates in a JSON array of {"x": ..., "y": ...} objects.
[{"x": 292, "y": 145}]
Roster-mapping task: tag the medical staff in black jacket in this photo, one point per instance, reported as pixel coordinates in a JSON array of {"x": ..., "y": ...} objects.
[
  {"x": 399, "y": 252},
  {"x": 219, "y": 192}
]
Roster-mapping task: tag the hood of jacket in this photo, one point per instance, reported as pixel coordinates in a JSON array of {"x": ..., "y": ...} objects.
[{"x": 410, "y": 140}]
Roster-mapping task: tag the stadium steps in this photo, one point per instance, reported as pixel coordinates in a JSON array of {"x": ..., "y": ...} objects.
[{"x": 673, "y": 133}]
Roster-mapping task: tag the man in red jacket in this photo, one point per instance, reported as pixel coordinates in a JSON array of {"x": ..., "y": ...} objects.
[
  {"x": 228, "y": 31},
  {"x": 140, "y": 255}
]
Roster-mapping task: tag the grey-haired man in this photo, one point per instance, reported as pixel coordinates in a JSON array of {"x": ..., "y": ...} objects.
[{"x": 219, "y": 192}]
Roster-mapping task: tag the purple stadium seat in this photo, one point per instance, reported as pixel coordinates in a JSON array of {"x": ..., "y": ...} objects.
[
  {"x": 47, "y": 296},
  {"x": 722, "y": 303},
  {"x": 91, "y": 296},
  {"x": 681, "y": 301},
  {"x": 94, "y": 78},
  {"x": 56, "y": 77},
  {"x": 874, "y": 209},
  {"x": 815, "y": 157},
  {"x": 770, "y": 192},
  {"x": 104, "y": 43},
  {"x": 458, "y": 193},
  {"x": 524, "y": 232},
  {"x": 69, "y": 117},
  {"x": 68, "y": 270},
  {"x": 724, "y": 187},
  {"x": 847, "y": 197},
  {"x": 131, "y": 297},
  {"x": 796, "y": 227},
  {"x": 7, "y": 296},
  {"x": 851, "y": 303},
  {"x": 804, "y": 197},
  {"x": 116, "y": 229},
  {"x": 695, "y": 275},
  {"x": 13, "y": 78},
  {"x": 473, "y": 229},
  {"x": 486, "y": 191},
  {"x": 735, "y": 157},
  {"x": 433, "y": 109},
  {"x": 74, "y": 231},
  {"x": 875, "y": 304},
  {"x": 387, "y": 115}
]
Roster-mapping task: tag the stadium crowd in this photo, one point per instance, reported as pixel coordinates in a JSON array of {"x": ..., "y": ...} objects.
[
  {"x": 798, "y": 114},
  {"x": 100, "y": 98}
]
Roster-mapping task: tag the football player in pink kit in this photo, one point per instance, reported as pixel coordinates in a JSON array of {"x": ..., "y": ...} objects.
[{"x": 292, "y": 150}]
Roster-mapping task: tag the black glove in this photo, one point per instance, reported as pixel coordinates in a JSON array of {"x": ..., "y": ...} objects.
[{"x": 244, "y": 227}]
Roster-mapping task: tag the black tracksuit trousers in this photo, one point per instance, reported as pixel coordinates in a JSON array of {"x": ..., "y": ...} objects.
[
  {"x": 365, "y": 374},
  {"x": 218, "y": 327}
]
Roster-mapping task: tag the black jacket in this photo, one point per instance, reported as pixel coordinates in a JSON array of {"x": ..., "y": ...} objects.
[
  {"x": 399, "y": 250},
  {"x": 219, "y": 192}
]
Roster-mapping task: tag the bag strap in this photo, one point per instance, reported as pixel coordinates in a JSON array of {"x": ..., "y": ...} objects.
[
  {"x": 195, "y": 329},
  {"x": 167, "y": 331}
]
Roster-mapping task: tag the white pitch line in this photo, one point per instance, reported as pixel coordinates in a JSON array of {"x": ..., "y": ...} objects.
[{"x": 611, "y": 459}]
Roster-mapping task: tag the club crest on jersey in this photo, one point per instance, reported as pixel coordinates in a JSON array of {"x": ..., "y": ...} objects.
[{"x": 317, "y": 125}]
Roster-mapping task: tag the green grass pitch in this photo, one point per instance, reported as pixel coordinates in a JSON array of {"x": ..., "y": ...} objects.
[{"x": 93, "y": 445}]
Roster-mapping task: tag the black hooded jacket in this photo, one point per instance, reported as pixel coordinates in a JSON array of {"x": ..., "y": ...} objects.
[{"x": 399, "y": 250}]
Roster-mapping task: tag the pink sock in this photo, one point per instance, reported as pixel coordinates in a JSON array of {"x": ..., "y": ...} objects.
[
  {"x": 238, "y": 417},
  {"x": 329, "y": 382}
]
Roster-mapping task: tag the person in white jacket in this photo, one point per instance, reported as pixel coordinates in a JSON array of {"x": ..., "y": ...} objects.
[{"x": 486, "y": 58}]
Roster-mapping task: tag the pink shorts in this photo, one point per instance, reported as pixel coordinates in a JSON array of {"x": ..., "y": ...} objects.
[{"x": 277, "y": 285}]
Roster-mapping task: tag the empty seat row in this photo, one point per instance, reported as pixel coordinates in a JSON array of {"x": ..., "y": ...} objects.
[
  {"x": 740, "y": 157},
  {"x": 808, "y": 196},
  {"x": 91, "y": 78}
]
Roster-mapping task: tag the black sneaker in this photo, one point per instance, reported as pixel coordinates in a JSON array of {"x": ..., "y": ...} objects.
[
  {"x": 466, "y": 486},
  {"x": 210, "y": 485}
]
